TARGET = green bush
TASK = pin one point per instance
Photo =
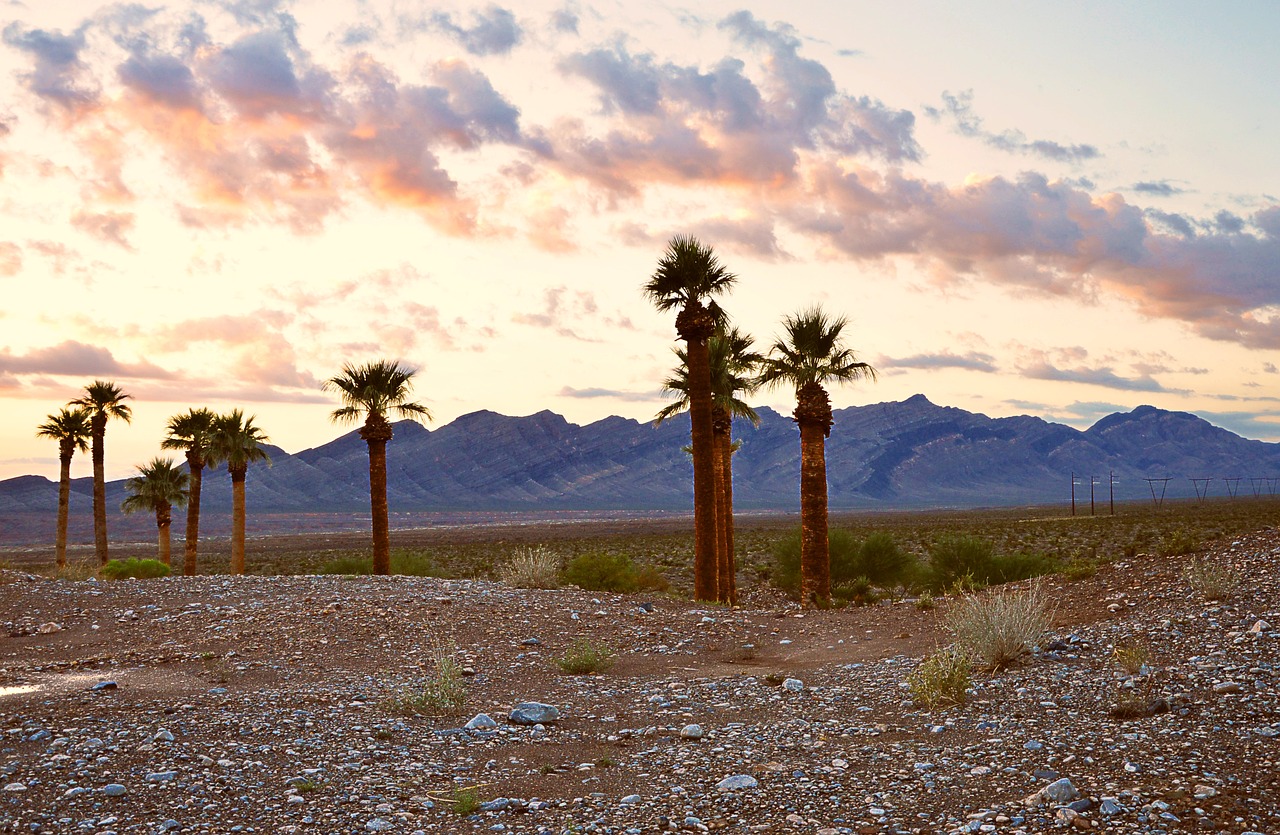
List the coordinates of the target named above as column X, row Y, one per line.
column 135, row 568
column 858, row 591
column 612, row 572
column 408, row 563
column 877, row 560
column 971, row 561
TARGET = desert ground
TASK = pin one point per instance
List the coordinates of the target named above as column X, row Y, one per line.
column 295, row 703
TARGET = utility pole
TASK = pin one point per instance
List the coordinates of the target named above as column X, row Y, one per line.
column 1073, row 493
column 1093, row 479
column 1113, row 492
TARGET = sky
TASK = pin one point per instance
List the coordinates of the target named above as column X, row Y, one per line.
column 1062, row 210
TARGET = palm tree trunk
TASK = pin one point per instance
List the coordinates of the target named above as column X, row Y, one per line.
column 695, row 326
column 815, row 555
column 189, row 557
column 721, row 424
column 64, row 505
column 164, row 519
column 729, row 569
column 813, row 415
column 99, row 430
column 378, row 505
column 237, row 521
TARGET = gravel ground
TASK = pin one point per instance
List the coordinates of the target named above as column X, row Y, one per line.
column 277, row 705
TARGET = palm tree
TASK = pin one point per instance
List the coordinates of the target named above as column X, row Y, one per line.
column 71, row 429
column 236, row 441
column 810, row 354
column 103, row 401
column 689, row 273
column 190, row 433
column 157, row 487
column 371, row 391
column 731, row 361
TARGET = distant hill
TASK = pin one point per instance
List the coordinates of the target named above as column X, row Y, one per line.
column 910, row 454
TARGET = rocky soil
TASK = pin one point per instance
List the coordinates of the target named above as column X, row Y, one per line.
column 281, row 705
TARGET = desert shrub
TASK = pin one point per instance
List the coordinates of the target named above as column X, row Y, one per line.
column 877, row 559
column 1180, row 542
column 443, row 693
column 858, row 591
column 611, row 572
column 585, row 657
column 1131, row 656
column 134, row 568
column 1215, row 581
column 408, row 563
column 973, row 562
column 531, row 568
column 941, row 679
column 465, row 802
column 997, row 629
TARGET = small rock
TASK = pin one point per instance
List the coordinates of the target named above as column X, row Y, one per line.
column 481, row 721
column 533, row 713
column 16, row 787
column 794, row 685
column 114, row 790
column 691, row 732
column 49, row 628
column 736, row 782
column 104, row 685
column 1223, row 688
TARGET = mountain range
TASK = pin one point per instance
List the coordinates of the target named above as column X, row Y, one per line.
column 909, row 454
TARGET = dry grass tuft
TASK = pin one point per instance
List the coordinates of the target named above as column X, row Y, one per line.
column 942, row 679
column 532, row 568
column 997, row 629
column 1215, row 581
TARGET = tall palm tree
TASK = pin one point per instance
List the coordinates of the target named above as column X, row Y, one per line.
column 103, row 400
column 157, row 487
column 71, row 429
column 810, row 354
column 688, row 275
column 731, row 362
column 190, row 433
column 236, row 441
column 371, row 391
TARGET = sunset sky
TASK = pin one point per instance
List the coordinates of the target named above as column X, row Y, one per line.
column 1057, row 209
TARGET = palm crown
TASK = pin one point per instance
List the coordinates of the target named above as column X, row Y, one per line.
column 811, row 351
column 374, row 389
column 190, row 432
column 104, row 399
column 731, row 360
column 236, row 441
column 156, row 486
column 688, row 273
column 69, row 427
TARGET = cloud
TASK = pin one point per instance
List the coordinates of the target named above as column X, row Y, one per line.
column 1101, row 376
column 565, row 20
column 111, row 227
column 613, row 394
column 1270, row 368
column 959, row 108
column 10, row 258
column 753, row 235
column 1262, row 426
column 58, row 76
column 493, row 31
column 971, row 361
column 1157, row 188
column 72, row 358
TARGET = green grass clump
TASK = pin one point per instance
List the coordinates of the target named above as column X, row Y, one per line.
column 466, row 802
column 586, row 657
column 995, row 630
column 443, row 693
column 1179, row 542
column 611, row 572
column 942, row 679
column 134, row 568
column 405, row 562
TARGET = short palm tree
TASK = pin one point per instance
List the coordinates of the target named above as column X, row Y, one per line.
column 370, row 391
column 71, row 429
column 237, row 442
column 731, row 363
column 156, row 488
column 103, row 400
column 190, row 433
column 810, row 354
column 688, row 275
